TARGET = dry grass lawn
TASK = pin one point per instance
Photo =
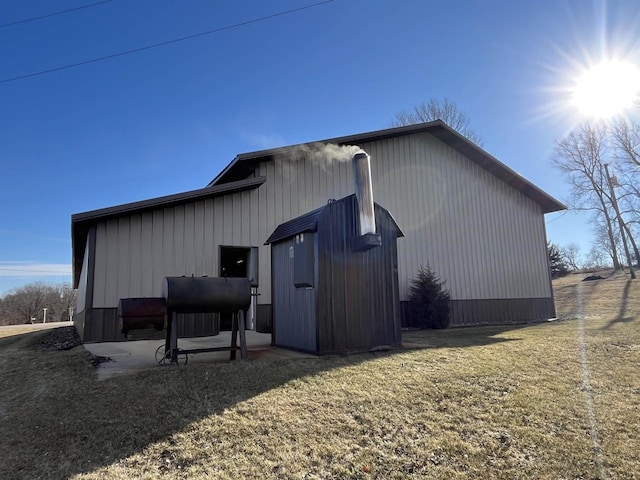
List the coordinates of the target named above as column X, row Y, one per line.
column 559, row 400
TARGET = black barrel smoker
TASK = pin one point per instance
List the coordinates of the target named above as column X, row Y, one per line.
column 205, row 295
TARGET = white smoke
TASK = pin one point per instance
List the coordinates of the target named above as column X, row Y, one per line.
column 322, row 155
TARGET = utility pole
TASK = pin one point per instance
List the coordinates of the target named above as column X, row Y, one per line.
column 614, row 202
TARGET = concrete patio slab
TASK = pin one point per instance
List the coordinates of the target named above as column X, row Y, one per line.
column 130, row 356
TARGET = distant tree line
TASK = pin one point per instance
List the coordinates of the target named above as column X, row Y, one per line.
column 23, row 304
column 564, row 260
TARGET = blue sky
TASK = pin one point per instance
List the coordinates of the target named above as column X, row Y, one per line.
column 168, row 119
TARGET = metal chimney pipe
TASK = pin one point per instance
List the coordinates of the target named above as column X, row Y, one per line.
column 364, row 192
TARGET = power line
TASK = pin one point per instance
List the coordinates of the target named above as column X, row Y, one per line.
column 27, row 271
column 558, row 217
column 54, row 14
column 168, row 42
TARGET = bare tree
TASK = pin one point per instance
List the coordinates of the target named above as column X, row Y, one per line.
column 579, row 156
column 596, row 258
column 571, row 255
column 445, row 110
column 22, row 304
column 632, row 239
column 603, row 243
column 625, row 138
column 68, row 299
column 625, row 186
column 625, row 135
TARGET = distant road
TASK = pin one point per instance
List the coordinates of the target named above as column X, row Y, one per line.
column 8, row 330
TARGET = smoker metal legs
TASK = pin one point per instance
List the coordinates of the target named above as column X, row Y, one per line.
column 238, row 326
column 243, row 335
column 234, row 336
column 171, row 350
column 173, row 337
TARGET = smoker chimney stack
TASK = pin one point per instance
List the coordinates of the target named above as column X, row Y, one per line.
column 368, row 238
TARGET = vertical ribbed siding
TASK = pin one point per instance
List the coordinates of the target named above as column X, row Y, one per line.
column 134, row 253
column 294, row 187
column 103, row 325
column 294, row 320
column 354, row 304
column 358, row 304
column 465, row 313
column 484, row 238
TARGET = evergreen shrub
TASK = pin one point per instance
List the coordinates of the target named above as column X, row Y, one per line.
column 429, row 300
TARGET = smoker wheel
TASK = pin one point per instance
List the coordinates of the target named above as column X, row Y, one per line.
column 163, row 357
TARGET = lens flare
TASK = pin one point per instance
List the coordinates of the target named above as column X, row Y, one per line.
column 607, row 89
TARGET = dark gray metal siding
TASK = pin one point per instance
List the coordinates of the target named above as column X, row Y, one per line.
column 358, row 300
column 78, row 322
column 263, row 319
column 493, row 311
column 84, row 305
column 294, row 308
column 498, row 311
column 103, row 325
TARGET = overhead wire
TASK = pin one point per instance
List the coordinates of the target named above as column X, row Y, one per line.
column 558, row 217
column 28, row 271
column 54, row 13
column 168, row 42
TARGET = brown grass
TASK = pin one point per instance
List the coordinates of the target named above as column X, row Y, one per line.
column 492, row 402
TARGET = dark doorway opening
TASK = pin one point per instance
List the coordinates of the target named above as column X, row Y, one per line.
column 233, row 263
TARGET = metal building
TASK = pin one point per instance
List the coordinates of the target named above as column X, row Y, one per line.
column 473, row 220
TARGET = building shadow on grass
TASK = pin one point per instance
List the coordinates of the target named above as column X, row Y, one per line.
column 459, row 337
column 57, row 420
column 624, row 301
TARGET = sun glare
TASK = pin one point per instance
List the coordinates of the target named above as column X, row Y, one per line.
column 607, row 89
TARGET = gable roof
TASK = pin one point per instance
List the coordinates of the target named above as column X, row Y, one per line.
column 308, row 222
column 243, row 163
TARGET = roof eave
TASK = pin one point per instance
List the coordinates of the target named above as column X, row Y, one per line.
column 346, row 140
column 81, row 222
column 490, row 163
column 438, row 129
